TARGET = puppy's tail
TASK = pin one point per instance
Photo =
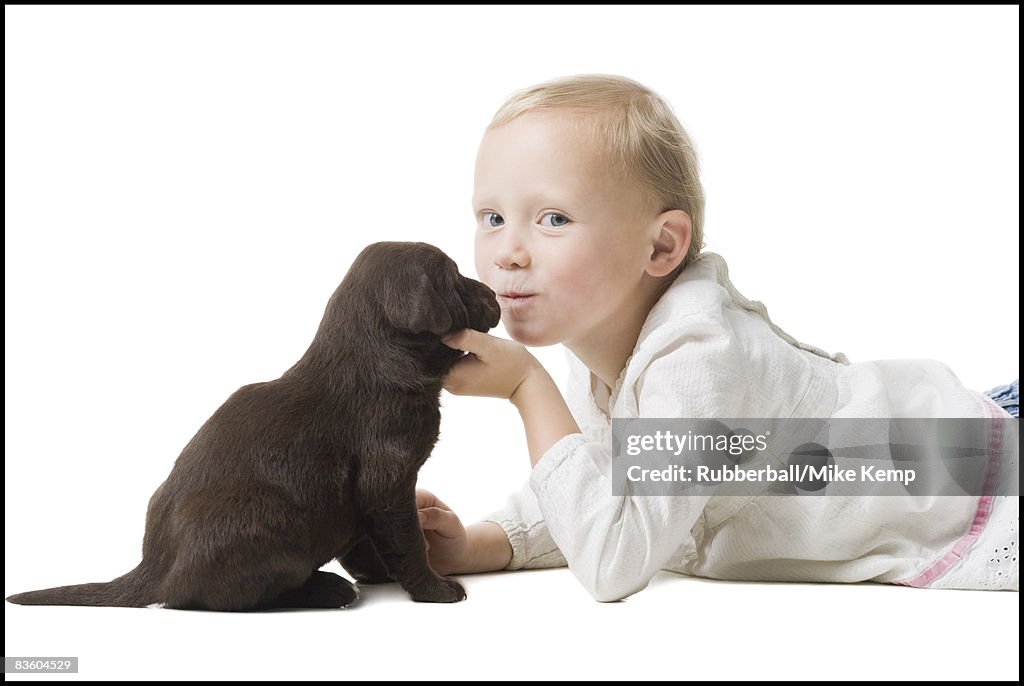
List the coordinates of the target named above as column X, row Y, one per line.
column 135, row 589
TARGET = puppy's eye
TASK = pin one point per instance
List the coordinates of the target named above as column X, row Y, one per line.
column 492, row 220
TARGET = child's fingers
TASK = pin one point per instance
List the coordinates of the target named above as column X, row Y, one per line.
column 455, row 339
column 443, row 522
column 425, row 498
column 461, row 379
column 468, row 340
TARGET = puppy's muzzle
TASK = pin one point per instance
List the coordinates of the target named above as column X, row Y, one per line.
column 481, row 306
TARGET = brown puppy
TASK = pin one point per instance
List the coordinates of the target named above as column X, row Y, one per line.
column 318, row 464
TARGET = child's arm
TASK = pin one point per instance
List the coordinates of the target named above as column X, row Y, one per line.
column 515, row 374
column 613, row 544
column 545, row 415
column 504, row 369
column 454, row 549
column 514, row 537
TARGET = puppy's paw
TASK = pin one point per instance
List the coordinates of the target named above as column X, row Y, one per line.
column 445, row 591
column 340, row 595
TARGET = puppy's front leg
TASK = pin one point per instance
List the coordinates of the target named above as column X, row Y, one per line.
column 398, row 539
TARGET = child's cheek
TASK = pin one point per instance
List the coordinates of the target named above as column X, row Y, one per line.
column 579, row 274
column 482, row 262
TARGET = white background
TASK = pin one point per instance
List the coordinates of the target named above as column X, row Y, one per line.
column 185, row 186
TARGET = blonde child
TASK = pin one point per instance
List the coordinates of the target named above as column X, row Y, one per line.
column 589, row 217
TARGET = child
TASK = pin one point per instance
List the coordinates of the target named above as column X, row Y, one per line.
column 590, row 214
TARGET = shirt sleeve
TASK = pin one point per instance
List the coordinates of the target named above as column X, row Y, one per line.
column 521, row 517
column 527, row 532
column 614, row 545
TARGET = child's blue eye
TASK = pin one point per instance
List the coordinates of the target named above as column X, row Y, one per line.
column 493, row 223
column 557, row 220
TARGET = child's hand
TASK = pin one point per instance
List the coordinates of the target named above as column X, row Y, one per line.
column 496, row 367
column 443, row 531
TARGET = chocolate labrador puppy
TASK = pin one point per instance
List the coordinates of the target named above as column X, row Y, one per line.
column 318, row 464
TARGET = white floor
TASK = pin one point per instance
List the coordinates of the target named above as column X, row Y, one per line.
column 542, row 624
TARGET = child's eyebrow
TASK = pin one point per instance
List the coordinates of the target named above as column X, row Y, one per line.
column 563, row 198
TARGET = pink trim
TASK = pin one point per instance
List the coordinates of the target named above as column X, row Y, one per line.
column 981, row 515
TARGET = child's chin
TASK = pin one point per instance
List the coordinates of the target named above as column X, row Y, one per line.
column 531, row 335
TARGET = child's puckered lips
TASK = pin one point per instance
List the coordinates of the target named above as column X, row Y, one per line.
column 512, row 300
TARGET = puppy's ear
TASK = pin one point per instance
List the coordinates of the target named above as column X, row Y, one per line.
column 419, row 311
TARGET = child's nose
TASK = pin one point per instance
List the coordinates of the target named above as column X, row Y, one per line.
column 511, row 251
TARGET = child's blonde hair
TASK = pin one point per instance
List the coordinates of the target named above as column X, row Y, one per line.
column 640, row 135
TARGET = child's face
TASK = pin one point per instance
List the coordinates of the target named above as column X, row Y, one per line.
column 554, row 225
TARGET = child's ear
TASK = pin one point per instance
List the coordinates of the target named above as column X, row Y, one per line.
column 671, row 231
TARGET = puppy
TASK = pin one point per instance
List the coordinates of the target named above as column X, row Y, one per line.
column 320, row 463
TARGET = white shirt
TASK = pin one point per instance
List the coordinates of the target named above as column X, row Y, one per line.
column 706, row 351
